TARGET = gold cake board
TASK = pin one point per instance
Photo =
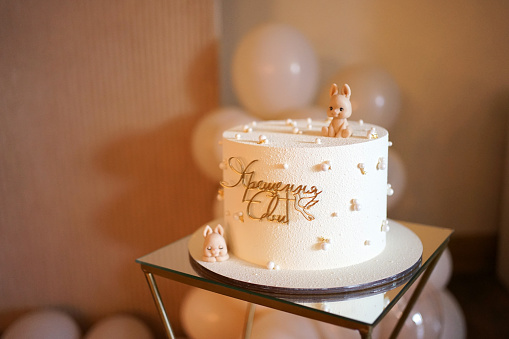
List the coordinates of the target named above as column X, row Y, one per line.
column 401, row 256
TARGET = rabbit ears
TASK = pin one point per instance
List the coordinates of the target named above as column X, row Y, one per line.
column 208, row 230
column 345, row 90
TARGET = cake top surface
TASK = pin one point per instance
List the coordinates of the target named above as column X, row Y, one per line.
column 304, row 133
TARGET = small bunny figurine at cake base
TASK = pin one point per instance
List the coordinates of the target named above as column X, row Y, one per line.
column 340, row 109
column 214, row 246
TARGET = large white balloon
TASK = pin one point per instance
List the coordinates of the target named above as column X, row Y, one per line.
column 282, row 325
column 425, row 320
column 396, row 178
column 375, row 96
column 119, row 326
column 454, row 325
column 274, row 68
column 207, row 315
column 44, row 324
column 206, row 150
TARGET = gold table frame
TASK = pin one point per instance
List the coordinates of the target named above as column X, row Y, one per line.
column 172, row 262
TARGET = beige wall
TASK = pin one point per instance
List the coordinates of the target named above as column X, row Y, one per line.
column 450, row 59
column 97, row 103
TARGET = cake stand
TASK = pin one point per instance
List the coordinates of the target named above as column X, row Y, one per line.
column 172, row 262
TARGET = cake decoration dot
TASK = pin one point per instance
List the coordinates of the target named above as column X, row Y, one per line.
column 309, row 120
column 220, row 194
column 262, row 139
column 334, row 214
column 318, row 141
column 237, row 136
column 390, row 190
column 247, row 129
column 372, row 134
column 310, row 126
column 272, row 266
column 325, row 244
column 285, row 166
column 295, row 130
column 239, row 216
column 390, row 143
column 361, row 167
column 289, row 122
column 385, row 226
column 381, row 165
column 355, row 205
column 361, row 122
column 326, row 166
column 253, row 123
column 367, row 243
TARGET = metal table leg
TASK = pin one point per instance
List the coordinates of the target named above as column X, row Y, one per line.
column 159, row 304
column 248, row 323
column 415, row 295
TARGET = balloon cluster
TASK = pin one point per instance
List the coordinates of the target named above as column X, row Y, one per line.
column 275, row 75
column 51, row 324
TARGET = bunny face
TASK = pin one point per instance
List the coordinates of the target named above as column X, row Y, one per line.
column 214, row 246
column 339, row 104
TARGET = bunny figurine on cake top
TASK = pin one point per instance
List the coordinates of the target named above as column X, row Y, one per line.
column 339, row 110
column 214, row 246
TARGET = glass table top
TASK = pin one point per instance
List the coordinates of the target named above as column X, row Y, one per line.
column 364, row 309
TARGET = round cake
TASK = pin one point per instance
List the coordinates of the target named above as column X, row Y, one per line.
column 297, row 200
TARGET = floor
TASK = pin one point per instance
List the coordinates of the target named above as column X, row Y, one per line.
column 485, row 304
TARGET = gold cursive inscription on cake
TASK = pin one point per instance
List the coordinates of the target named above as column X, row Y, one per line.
column 275, row 197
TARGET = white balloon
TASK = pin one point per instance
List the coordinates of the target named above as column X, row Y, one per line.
column 425, row 320
column 442, row 273
column 282, row 325
column 119, row 326
column 375, row 96
column 206, row 150
column 274, row 68
column 396, row 178
column 454, row 325
column 207, row 315
column 44, row 324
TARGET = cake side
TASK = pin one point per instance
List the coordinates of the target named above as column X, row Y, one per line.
column 296, row 200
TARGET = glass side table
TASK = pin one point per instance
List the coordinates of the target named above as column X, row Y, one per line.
column 172, row 262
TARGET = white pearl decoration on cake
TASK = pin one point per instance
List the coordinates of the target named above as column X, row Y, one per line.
column 295, row 130
column 318, row 141
column 285, row 166
column 390, row 190
column 237, row 136
column 361, row 167
column 385, row 226
column 381, row 165
column 355, row 205
column 326, row 166
column 247, row 129
column 272, row 266
column 262, row 139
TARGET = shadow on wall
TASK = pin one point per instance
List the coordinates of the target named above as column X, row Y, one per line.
column 165, row 196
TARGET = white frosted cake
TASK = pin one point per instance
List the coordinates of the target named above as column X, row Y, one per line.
column 297, row 200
